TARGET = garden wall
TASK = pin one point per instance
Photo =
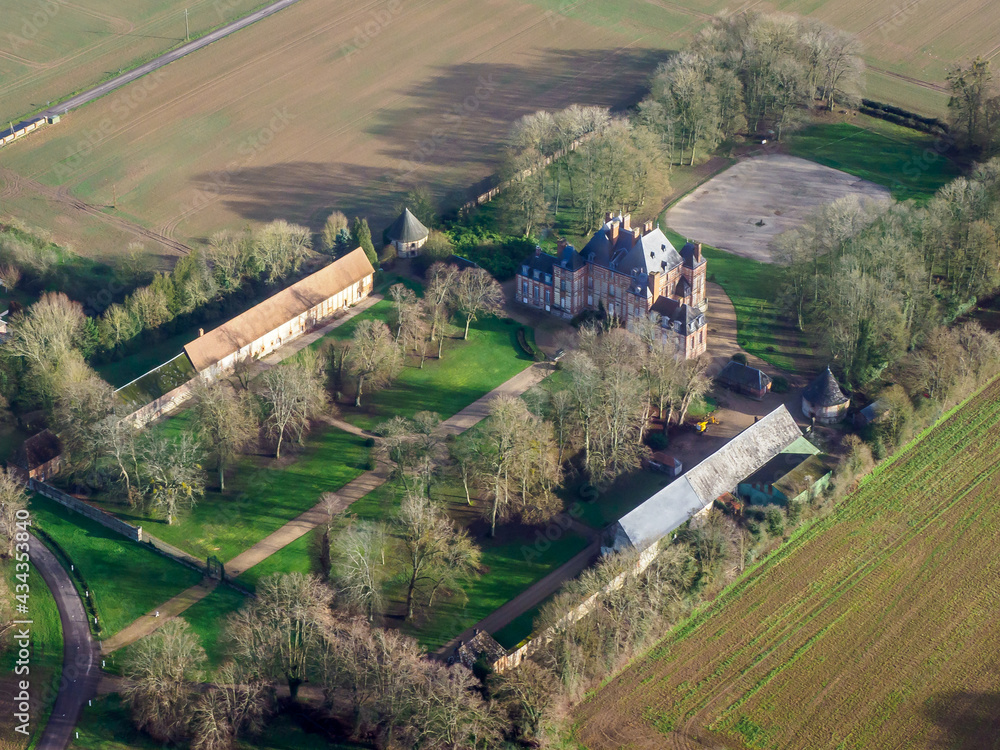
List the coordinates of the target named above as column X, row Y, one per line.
column 95, row 514
column 515, row 657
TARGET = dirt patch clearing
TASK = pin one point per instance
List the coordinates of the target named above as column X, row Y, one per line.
column 745, row 207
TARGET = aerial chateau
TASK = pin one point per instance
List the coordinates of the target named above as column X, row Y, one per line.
column 626, row 271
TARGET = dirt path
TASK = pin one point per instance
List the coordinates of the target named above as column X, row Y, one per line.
column 531, row 597
column 16, row 184
column 480, row 409
column 156, row 617
column 335, row 502
column 80, row 673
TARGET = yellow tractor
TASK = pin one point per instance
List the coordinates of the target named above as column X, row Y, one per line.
column 702, row 426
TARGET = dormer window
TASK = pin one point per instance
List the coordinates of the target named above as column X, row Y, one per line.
column 524, row 270
column 537, row 274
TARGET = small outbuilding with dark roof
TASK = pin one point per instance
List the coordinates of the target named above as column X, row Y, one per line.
column 39, row 457
column 407, row 234
column 741, row 378
column 823, row 399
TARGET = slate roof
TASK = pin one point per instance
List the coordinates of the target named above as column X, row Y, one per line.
column 695, row 490
column 649, row 253
column 682, row 317
column 739, row 374
column 744, row 454
column 279, row 308
column 37, row 450
column 407, row 228
column 689, row 254
column 824, row 390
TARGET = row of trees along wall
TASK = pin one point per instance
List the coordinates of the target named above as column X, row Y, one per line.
column 515, row 657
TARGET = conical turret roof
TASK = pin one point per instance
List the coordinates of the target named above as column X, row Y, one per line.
column 825, row 390
column 407, row 228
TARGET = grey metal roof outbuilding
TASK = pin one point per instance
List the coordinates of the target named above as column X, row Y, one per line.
column 407, row 228
column 825, row 390
column 697, row 489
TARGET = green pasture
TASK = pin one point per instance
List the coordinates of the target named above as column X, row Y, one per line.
column 126, row 579
column 913, row 165
column 468, row 370
column 261, row 496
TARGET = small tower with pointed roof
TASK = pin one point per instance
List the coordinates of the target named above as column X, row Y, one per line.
column 824, row 400
column 407, row 234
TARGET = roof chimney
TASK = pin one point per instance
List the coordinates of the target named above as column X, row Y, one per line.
column 561, row 244
column 608, row 217
column 201, row 332
column 647, row 227
column 614, row 231
column 627, row 221
column 636, row 232
column 697, row 248
column 538, row 251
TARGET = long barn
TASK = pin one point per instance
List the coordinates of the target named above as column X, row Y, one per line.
column 284, row 316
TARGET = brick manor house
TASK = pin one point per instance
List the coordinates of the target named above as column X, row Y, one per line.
column 629, row 271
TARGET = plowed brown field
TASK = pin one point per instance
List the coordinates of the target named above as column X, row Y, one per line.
column 338, row 104
column 876, row 628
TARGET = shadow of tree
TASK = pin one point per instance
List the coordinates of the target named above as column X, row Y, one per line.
column 971, row 721
column 445, row 133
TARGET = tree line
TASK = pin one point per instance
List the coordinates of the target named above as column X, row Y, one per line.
column 876, row 278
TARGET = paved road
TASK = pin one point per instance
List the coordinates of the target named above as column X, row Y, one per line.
column 125, row 78
column 80, row 671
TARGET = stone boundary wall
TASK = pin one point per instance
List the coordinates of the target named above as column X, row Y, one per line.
column 165, row 404
column 493, row 192
column 515, row 657
column 94, row 514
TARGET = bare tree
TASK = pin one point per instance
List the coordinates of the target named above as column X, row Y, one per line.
column 81, row 407
column 281, row 630
column 173, row 474
column 693, row 383
column 476, row 293
column 527, row 695
column 293, row 394
column 281, row 247
column 10, row 276
column 13, row 502
column 47, row 331
column 434, row 552
column 438, row 293
column 373, row 357
column 227, row 422
column 236, row 703
column 404, row 306
column 159, row 669
column 358, row 567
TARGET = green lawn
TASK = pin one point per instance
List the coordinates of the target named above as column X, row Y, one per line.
column 904, row 160
column 598, row 508
column 298, row 557
column 511, row 567
column 261, row 497
column 106, row 725
column 468, row 370
column 46, row 645
column 127, row 579
column 763, row 327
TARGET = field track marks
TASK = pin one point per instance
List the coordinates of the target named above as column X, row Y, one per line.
column 686, row 737
column 195, row 92
column 17, row 183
